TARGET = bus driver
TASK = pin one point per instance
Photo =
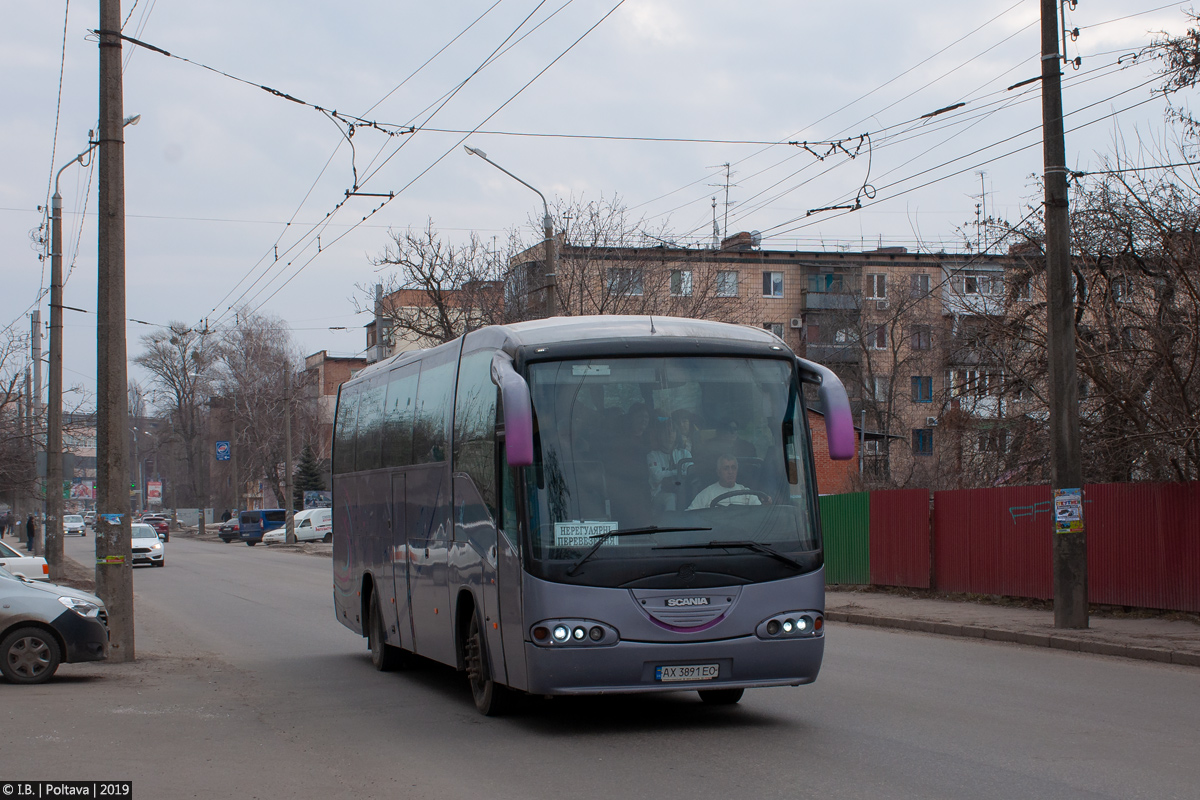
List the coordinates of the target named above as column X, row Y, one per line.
column 727, row 469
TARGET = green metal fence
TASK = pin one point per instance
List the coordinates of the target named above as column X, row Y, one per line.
column 845, row 520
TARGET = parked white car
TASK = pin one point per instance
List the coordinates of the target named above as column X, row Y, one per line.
column 24, row 565
column 147, row 545
column 73, row 524
column 311, row 525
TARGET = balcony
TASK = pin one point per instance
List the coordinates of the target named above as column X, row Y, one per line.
column 847, row 353
column 830, row 301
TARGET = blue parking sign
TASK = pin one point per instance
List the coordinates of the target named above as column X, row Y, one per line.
column 222, row 451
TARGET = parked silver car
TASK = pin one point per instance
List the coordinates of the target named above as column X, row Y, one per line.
column 43, row 625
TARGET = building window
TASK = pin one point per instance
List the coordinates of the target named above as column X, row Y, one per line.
column 922, row 337
column 624, row 281
column 920, row 284
column 877, row 287
column 681, row 283
column 1025, row 289
column 922, row 388
column 993, row 441
column 825, row 283
column 772, row 284
column 877, row 338
column 880, row 384
column 727, row 283
column 1122, row 290
column 871, row 447
column 922, row 441
column 774, row 327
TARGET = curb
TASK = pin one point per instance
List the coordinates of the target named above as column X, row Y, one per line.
column 1052, row 640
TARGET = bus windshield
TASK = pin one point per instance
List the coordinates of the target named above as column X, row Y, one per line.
column 715, row 449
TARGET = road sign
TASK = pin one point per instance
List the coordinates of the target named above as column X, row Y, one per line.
column 223, row 451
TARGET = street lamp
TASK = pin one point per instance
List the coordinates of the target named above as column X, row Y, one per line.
column 551, row 286
column 54, row 449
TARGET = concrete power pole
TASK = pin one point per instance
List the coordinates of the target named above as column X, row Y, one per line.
column 114, row 569
column 1066, row 467
column 288, row 502
column 35, row 420
column 54, row 445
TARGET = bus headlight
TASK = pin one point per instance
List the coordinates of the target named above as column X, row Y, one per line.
column 791, row 625
column 573, row 633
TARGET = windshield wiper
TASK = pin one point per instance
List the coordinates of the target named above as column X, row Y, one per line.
column 601, row 538
column 757, row 547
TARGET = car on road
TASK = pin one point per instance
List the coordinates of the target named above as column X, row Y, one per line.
column 29, row 566
column 159, row 523
column 43, row 625
column 147, row 545
column 74, row 524
column 89, row 519
column 253, row 524
column 229, row 530
column 309, row 525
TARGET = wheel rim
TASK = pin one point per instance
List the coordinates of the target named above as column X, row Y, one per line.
column 473, row 656
column 29, row 657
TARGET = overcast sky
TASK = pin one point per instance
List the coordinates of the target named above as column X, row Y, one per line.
column 217, row 167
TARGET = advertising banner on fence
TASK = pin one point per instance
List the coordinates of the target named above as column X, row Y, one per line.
column 154, row 493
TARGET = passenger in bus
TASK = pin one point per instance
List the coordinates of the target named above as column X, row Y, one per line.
column 685, row 426
column 726, row 440
column 727, row 470
column 663, row 466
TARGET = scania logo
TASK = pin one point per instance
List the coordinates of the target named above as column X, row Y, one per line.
column 687, row 601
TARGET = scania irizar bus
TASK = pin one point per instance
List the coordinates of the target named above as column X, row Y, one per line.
column 587, row 505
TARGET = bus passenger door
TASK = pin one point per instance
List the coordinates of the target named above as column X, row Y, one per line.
column 474, row 565
column 400, row 556
column 427, row 497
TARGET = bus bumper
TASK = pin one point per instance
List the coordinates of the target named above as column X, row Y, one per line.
column 629, row 667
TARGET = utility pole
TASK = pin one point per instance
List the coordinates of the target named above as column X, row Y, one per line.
column 114, row 569
column 35, row 420
column 54, row 476
column 1066, row 467
column 237, row 487
column 31, row 437
column 288, row 502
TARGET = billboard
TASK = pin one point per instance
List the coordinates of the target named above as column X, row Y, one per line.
column 154, row 493
column 318, row 499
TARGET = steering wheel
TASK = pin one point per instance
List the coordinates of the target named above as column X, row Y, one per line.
column 763, row 498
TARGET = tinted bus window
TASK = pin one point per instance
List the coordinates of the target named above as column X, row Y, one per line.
column 370, row 424
column 435, row 403
column 398, row 416
column 475, row 425
column 344, row 429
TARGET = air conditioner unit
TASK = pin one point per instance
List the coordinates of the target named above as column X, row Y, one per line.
column 881, row 305
column 931, row 422
column 796, row 322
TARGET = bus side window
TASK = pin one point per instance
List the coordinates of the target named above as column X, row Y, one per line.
column 347, row 422
column 370, row 424
column 398, row 416
column 508, row 507
column 435, row 404
column 475, row 425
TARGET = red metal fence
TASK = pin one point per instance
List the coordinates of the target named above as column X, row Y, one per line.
column 1143, row 542
column 899, row 538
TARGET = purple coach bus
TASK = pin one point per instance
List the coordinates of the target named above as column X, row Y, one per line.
column 587, row 505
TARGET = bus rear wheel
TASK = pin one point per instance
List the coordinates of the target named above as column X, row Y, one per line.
column 491, row 699
column 384, row 657
column 721, row 697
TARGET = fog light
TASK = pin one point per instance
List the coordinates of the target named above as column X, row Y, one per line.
column 806, row 623
column 597, row 633
column 773, row 627
column 787, row 626
column 561, row 633
column 541, row 632
column 580, row 633
column 802, row 624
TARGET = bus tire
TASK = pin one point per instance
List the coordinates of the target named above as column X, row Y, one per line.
column 491, row 699
column 721, row 697
column 384, row 657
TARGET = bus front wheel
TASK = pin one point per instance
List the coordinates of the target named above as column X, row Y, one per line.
column 491, row 699
column 721, row 697
column 384, row 656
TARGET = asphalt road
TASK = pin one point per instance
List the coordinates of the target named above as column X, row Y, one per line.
column 246, row 686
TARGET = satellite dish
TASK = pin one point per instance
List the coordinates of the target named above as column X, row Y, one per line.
column 755, row 238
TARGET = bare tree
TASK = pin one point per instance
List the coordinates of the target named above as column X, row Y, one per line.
column 181, row 364
column 17, row 444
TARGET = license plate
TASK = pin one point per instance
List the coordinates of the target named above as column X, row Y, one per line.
column 691, row 672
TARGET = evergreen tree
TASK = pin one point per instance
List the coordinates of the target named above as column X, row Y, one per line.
column 308, row 477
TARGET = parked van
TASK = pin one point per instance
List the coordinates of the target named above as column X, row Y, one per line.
column 310, row 525
column 253, row 524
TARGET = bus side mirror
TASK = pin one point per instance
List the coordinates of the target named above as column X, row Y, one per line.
column 518, row 411
column 835, row 405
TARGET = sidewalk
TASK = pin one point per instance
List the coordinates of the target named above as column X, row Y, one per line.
column 1171, row 639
